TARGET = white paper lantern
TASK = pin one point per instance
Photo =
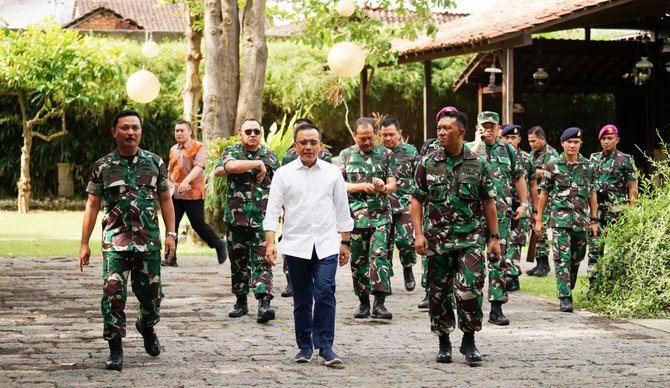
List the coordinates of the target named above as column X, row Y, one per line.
column 143, row 86
column 150, row 49
column 345, row 8
column 346, row 59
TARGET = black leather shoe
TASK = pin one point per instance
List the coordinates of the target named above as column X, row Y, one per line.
column 378, row 309
column 566, row 304
column 240, row 308
column 444, row 354
column 410, row 283
column 173, row 263
column 151, row 344
column 115, row 359
column 496, row 315
column 363, row 308
column 265, row 312
column 424, row 304
column 469, row 349
column 222, row 252
column 288, row 291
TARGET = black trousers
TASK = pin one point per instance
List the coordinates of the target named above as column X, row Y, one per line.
column 195, row 211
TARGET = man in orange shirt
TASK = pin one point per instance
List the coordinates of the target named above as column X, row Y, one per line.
column 187, row 162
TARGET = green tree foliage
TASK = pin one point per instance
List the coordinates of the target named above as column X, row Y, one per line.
column 633, row 278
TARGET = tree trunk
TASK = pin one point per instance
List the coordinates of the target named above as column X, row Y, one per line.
column 193, row 87
column 221, row 83
column 24, row 181
column 254, row 60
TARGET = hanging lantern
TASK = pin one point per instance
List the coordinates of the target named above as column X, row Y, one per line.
column 345, row 8
column 540, row 77
column 143, row 86
column 346, row 59
column 642, row 71
column 150, row 49
column 493, row 70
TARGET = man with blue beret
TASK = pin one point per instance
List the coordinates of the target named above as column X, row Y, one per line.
column 569, row 188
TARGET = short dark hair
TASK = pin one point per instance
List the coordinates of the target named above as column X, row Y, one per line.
column 387, row 122
column 125, row 113
column 364, row 121
column 251, row 119
column 306, row 127
column 184, row 122
column 460, row 117
column 300, row 121
column 537, row 131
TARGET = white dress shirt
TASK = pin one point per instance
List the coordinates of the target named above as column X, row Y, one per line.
column 315, row 206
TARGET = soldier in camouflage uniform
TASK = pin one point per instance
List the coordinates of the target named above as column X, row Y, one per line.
column 249, row 167
column 541, row 154
column 452, row 193
column 405, row 158
column 616, row 184
column 569, row 187
column 289, row 156
column 130, row 180
column 506, row 173
column 512, row 134
column 366, row 168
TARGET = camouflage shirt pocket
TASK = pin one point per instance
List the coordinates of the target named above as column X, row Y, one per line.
column 438, row 193
column 115, row 192
column 563, row 185
column 468, row 186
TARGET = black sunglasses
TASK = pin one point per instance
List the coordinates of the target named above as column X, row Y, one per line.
column 256, row 132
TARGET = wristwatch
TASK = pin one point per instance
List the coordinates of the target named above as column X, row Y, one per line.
column 346, row 242
column 173, row 234
column 495, row 236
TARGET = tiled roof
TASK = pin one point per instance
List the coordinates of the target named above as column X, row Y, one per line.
column 392, row 17
column 149, row 14
column 74, row 23
column 505, row 18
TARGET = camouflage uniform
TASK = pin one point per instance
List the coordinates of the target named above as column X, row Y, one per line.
column 245, row 209
column 540, row 159
column 612, row 174
column 569, row 186
column 505, row 170
column 370, row 269
column 131, row 241
column 405, row 158
column 521, row 228
column 452, row 190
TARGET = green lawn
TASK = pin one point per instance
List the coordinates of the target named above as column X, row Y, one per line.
column 546, row 287
column 57, row 233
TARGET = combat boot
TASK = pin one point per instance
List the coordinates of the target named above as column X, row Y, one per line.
column 364, row 308
column 468, row 348
column 151, row 344
column 288, row 291
column 115, row 359
column 410, row 283
column 444, row 354
column 265, row 312
column 542, row 266
column 496, row 315
column 222, row 252
column 531, row 272
column 566, row 304
column 512, row 283
column 424, row 304
column 378, row 308
column 240, row 308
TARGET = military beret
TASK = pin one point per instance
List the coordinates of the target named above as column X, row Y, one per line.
column 608, row 129
column 511, row 129
column 488, row 117
column 571, row 133
column 444, row 110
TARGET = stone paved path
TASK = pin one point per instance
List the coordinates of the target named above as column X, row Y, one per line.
column 50, row 335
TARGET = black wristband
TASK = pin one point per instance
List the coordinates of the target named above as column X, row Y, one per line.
column 346, row 242
column 495, row 235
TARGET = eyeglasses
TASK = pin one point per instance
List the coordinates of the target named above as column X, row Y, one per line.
column 305, row 143
column 256, row 132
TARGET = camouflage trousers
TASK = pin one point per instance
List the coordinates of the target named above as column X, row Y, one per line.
column 455, row 269
column 424, row 272
column 542, row 242
column 596, row 245
column 499, row 267
column 519, row 238
column 401, row 233
column 370, row 269
column 569, row 251
column 246, row 249
column 145, row 271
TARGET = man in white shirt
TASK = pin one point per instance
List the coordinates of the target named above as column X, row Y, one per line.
column 314, row 198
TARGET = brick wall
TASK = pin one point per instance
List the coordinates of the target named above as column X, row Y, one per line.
column 106, row 21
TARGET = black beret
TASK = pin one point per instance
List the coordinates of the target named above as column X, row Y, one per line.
column 571, row 133
column 511, row 129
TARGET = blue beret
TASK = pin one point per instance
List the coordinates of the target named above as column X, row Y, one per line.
column 571, row 133
column 511, row 129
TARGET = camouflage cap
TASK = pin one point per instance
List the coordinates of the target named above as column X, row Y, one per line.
column 571, row 133
column 488, row 117
column 511, row 129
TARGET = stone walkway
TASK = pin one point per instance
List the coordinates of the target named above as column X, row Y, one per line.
column 50, row 335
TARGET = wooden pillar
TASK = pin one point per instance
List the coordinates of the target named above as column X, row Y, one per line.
column 362, row 95
column 480, row 98
column 428, row 120
column 507, row 86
